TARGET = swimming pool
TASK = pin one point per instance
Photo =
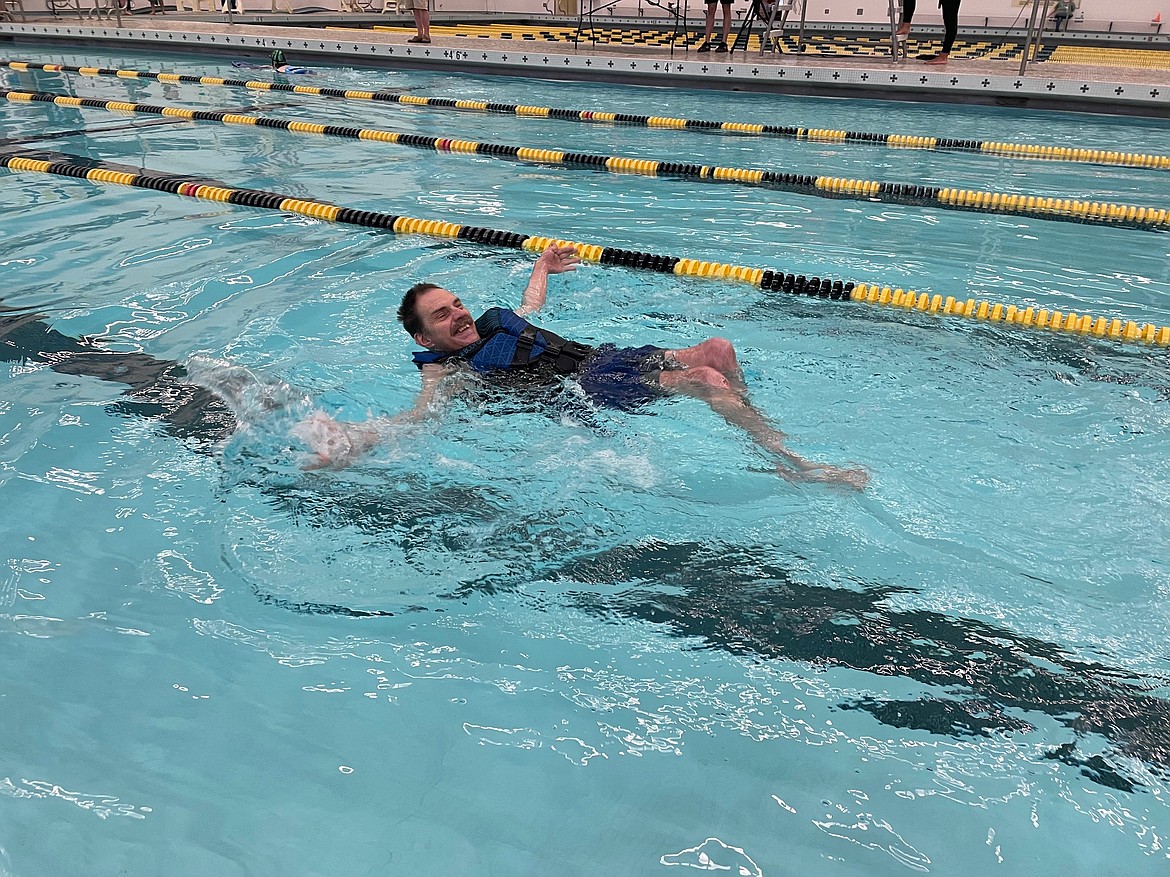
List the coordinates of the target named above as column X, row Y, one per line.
column 621, row 646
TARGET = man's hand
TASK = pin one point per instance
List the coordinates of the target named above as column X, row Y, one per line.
column 557, row 259
column 334, row 444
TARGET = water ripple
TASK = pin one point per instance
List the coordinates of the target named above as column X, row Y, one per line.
column 102, row 806
column 714, row 855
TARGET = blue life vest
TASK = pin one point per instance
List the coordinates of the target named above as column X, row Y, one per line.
column 508, row 341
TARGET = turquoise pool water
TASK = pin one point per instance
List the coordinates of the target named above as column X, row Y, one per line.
column 621, row 648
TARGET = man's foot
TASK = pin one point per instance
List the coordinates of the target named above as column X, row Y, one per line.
column 855, row 478
column 939, row 60
column 706, row 47
column 721, row 48
column 419, row 40
column 903, row 31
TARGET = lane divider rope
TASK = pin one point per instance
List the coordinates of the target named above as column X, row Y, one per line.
column 817, row 135
column 1037, row 206
column 62, row 164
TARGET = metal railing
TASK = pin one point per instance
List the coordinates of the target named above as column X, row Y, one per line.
column 1035, row 31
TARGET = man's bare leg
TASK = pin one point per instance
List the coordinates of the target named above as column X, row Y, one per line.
column 713, row 387
column 422, row 23
column 716, row 353
column 710, row 24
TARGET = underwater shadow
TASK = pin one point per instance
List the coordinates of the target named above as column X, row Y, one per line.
column 735, row 599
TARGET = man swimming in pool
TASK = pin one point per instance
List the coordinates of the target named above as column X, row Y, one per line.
column 502, row 345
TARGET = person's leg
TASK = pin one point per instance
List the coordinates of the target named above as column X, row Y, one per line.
column 950, row 12
column 714, row 388
column 908, row 7
column 726, row 21
column 716, row 353
column 710, row 27
column 420, row 9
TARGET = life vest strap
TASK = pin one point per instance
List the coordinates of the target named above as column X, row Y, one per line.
column 524, row 344
column 570, row 355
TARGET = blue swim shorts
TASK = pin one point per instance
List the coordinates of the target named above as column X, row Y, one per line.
column 623, row 377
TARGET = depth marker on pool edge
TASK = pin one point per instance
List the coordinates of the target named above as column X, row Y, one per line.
column 63, row 164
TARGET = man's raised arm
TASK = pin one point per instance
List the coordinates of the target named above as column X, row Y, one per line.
column 554, row 260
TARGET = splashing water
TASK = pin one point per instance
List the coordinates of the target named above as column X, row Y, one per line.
column 271, row 416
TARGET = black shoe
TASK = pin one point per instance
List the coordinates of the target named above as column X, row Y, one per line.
column 706, row 47
column 721, row 49
column 927, row 56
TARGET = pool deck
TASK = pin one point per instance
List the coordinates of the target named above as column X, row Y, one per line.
column 1129, row 75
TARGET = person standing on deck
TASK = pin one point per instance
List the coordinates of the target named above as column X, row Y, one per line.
column 950, row 13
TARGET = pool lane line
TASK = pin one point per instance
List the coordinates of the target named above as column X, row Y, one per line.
column 769, row 280
column 129, row 126
column 1035, row 206
column 991, row 148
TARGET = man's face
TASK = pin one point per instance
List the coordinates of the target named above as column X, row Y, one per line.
column 446, row 324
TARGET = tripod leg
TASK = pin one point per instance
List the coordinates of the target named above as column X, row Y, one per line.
column 745, row 30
